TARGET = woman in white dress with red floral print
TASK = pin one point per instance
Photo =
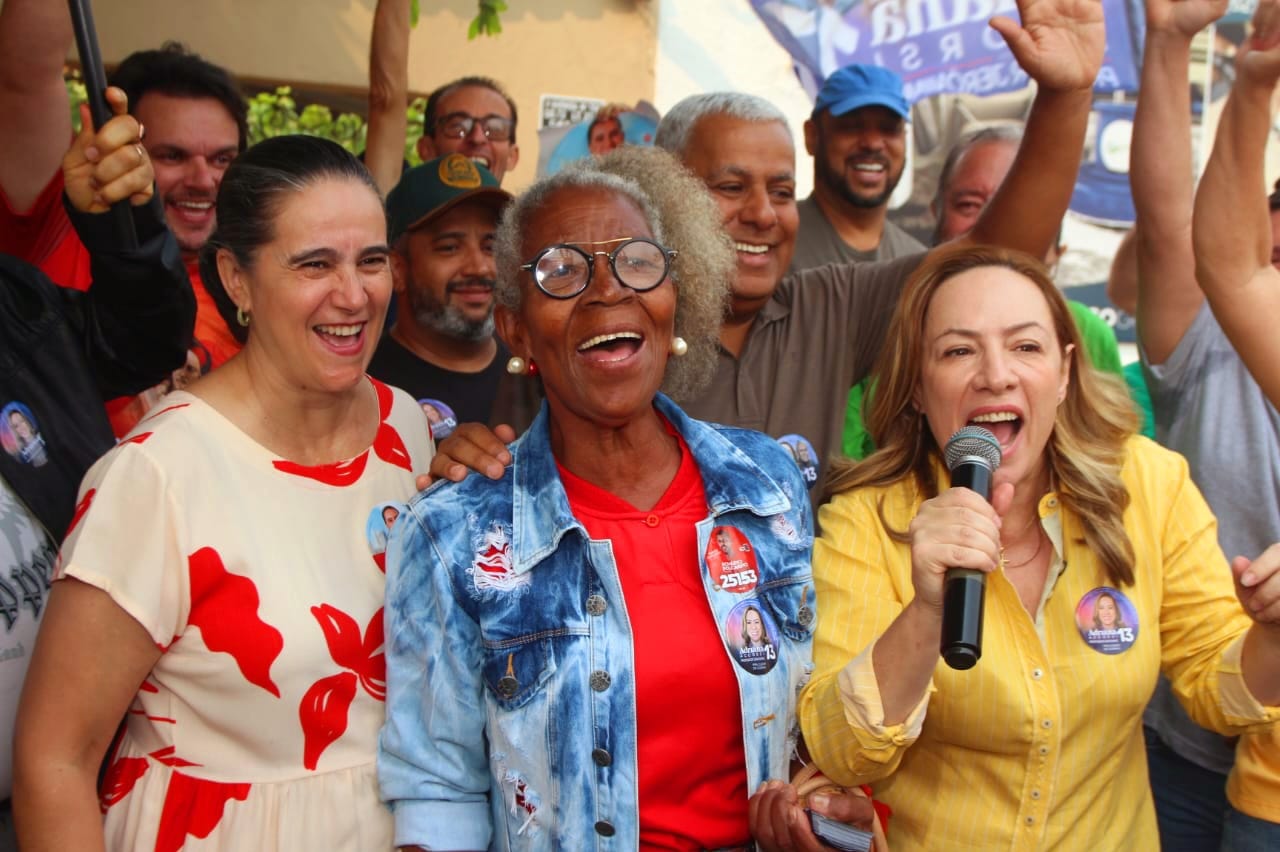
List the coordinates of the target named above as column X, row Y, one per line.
column 219, row 587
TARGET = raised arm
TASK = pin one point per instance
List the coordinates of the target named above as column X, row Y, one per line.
column 1060, row 46
column 137, row 316
column 1232, row 230
column 388, row 92
column 35, row 36
column 1160, row 175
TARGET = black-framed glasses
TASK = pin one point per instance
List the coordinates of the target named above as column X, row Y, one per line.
column 563, row 271
column 458, row 125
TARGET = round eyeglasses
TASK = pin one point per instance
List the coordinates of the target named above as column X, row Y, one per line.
column 563, row 271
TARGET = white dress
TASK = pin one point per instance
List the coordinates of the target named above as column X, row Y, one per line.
column 261, row 581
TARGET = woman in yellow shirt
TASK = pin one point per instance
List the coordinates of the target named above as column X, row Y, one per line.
column 1039, row 746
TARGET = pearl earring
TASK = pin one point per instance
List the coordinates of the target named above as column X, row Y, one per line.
column 678, row 346
column 516, row 365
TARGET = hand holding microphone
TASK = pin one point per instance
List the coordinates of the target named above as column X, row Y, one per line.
column 955, row 540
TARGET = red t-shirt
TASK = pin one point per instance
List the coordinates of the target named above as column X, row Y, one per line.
column 692, row 765
column 43, row 236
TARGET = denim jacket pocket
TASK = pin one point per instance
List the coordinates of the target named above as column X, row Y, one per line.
column 791, row 602
column 516, row 669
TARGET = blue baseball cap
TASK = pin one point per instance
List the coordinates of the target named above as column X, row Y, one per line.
column 857, row 86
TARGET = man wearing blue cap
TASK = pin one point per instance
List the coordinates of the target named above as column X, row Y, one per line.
column 857, row 137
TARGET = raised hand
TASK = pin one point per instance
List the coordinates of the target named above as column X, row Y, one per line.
column 1258, row 60
column 1060, row 42
column 1186, row 17
column 110, row 165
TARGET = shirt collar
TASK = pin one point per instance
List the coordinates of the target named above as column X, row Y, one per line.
column 540, row 509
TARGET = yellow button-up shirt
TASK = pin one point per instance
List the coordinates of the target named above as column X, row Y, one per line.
column 1039, row 746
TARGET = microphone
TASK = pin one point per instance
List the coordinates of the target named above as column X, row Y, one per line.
column 972, row 455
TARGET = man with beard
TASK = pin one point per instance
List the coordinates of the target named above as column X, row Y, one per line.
column 792, row 346
column 441, row 348
column 857, row 136
column 195, row 123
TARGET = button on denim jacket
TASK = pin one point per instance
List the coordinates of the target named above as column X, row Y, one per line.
column 510, row 694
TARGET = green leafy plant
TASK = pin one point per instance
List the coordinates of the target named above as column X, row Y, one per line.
column 276, row 113
column 76, row 94
column 486, row 21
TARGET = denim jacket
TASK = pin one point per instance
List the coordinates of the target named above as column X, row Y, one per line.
column 510, row 694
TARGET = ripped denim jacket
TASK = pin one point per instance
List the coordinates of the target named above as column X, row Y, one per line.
column 509, row 648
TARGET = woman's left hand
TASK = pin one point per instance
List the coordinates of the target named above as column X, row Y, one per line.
column 1258, row 586
column 1060, row 42
column 779, row 823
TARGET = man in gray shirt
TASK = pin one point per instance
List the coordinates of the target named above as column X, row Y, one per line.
column 791, row 346
column 857, row 137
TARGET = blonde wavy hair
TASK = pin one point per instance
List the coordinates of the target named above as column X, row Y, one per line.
column 682, row 216
column 1086, row 447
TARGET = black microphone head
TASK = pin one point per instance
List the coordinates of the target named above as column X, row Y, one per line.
column 973, row 444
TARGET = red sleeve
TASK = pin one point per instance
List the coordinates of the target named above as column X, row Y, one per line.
column 43, row 237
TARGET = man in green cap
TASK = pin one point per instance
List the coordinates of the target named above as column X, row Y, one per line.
column 441, row 349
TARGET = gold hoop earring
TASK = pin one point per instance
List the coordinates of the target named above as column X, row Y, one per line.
column 242, row 317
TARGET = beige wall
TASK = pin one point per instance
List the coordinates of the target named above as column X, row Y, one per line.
column 586, row 48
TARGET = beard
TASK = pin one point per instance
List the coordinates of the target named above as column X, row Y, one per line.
column 446, row 319
column 835, row 180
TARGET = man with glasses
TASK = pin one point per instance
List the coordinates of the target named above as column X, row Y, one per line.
column 474, row 117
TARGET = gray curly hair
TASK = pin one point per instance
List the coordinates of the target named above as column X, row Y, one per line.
column 681, row 215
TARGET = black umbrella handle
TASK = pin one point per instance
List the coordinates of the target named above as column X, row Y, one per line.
column 95, row 84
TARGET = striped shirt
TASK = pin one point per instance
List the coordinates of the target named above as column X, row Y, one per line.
column 1038, row 747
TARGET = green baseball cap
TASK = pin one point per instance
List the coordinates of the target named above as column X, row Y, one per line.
column 428, row 190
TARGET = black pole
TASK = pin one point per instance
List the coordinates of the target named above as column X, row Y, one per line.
column 95, row 84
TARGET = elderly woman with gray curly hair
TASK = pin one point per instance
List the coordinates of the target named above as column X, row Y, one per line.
column 564, row 645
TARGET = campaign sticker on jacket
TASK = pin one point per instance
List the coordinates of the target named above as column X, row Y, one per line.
column 20, row 435
column 1107, row 620
column 731, row 560
column 752, row 637
column 805, row 456
column 440, row 418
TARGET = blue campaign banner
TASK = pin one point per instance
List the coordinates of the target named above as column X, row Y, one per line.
column 938, row 46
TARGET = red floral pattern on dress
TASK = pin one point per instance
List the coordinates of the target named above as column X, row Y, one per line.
column 323, row 713
column 81, row 508
column 225, row 608
column 121, row 776
column 193, row 806
column 387, row 445
column 167, row 408
column 339, row 474
column 324, row 708
column 168, row 757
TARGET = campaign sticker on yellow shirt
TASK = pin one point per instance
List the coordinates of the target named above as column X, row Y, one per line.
column 1107, row 620
column 731, row 561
